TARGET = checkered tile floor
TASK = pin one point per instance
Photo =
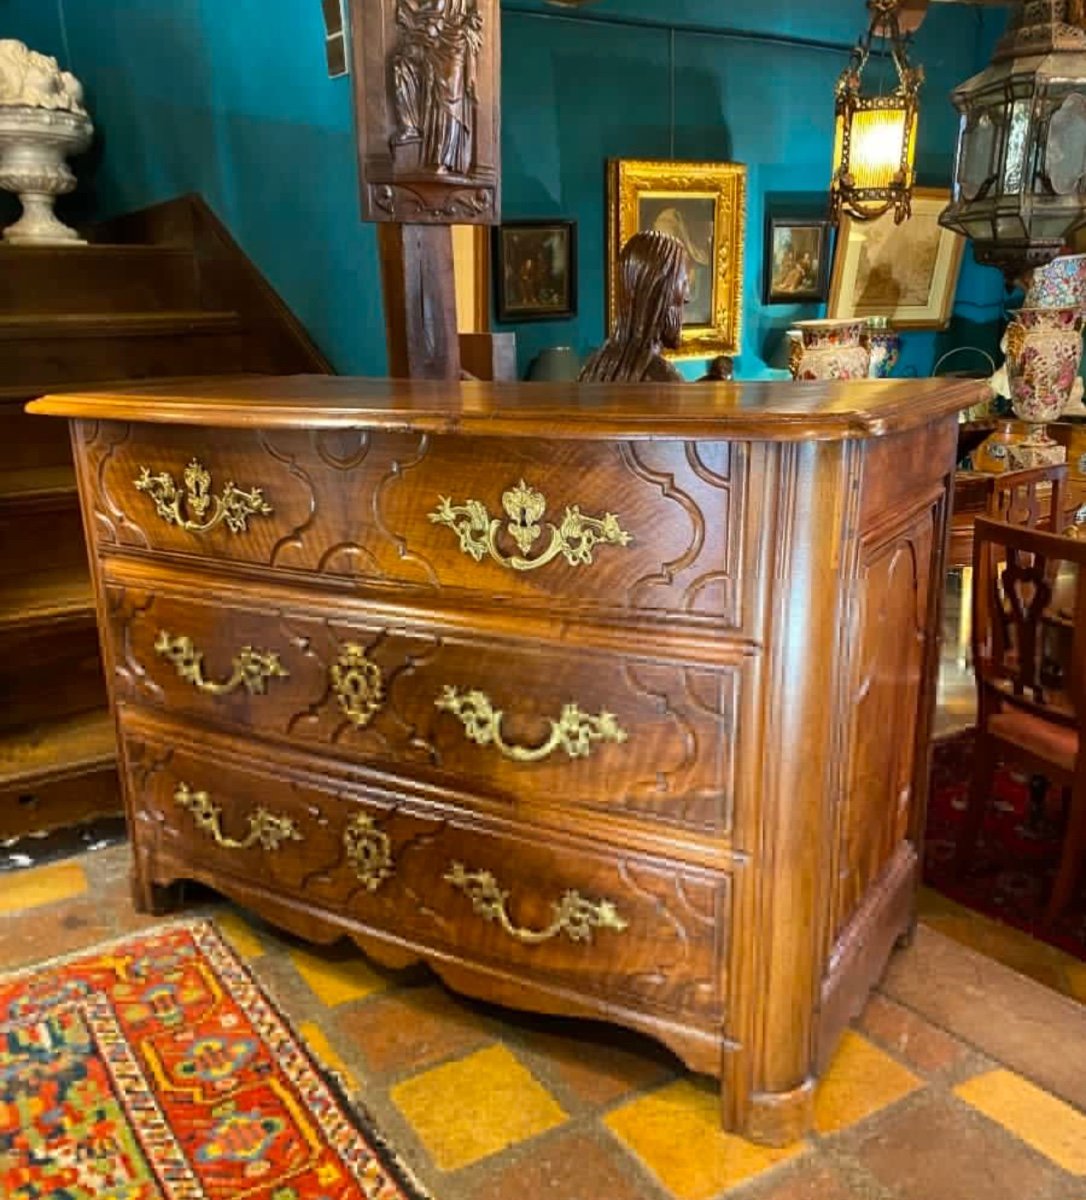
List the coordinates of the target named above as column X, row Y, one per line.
column 962, row 1080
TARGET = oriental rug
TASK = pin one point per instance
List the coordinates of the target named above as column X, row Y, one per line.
column 1016, row 856
column 155, row 1068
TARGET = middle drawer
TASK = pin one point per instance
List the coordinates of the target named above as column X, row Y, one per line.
column 497, row 718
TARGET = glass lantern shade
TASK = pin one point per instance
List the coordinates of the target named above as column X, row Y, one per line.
column 1020, row 172
column 875, row 137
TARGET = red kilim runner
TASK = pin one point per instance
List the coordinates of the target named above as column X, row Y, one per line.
column 156, row 1069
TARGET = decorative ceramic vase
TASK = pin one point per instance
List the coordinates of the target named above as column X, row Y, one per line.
column 1059, row 284
column 42, row 123
column 831, row 350
column 885, row 347
column 1044, row 350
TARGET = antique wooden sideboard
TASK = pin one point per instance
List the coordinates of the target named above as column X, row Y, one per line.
column 605, row 701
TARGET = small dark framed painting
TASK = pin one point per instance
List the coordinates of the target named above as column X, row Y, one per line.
column 535, row 270
column 797, row 260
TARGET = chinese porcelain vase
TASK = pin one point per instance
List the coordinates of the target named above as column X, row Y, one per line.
column 42, row 123
column 1059, row 284
column 1044, row 351
column 831, row 350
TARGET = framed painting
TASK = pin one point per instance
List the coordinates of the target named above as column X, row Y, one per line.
column 797, row 260
column 907, row 273
column 704, row 205
column 535, row 270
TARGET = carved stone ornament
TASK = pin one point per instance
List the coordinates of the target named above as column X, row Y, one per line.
column 426, row 108
column 42, row 122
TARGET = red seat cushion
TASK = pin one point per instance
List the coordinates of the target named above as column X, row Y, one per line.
column 1056, row 744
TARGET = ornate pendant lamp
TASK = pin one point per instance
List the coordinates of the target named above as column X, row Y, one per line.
column 875, row 143
column 1020, row 174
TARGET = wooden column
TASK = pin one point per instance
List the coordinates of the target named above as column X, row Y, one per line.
column 426, row 94
column 420, row 301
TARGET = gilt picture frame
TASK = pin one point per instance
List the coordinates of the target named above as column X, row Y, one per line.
column 907, row 273
column 535, row 270
column 796, row 266
column 704, row 205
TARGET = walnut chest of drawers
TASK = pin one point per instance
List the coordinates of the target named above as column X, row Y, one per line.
column 603, row 701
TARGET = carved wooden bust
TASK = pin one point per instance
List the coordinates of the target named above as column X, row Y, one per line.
column 653, row 280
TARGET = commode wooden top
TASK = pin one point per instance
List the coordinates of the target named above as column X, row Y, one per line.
column 763, row 411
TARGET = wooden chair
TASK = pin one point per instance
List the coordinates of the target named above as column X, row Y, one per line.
column 1036, row 498
column 1029, row 655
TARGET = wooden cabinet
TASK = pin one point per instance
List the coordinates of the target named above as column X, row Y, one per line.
column 605, row 701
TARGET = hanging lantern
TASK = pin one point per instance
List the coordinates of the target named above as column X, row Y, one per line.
column 875, row 143
column 1020, row 172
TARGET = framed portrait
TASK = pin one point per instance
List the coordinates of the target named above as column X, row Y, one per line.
column 797, row 260
column 535, row 270
column 704, row 205
column 908, row 272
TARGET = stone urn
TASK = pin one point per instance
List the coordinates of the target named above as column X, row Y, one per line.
column 42, row 123
column 831, row 349
column 884, row 344
column 1044, row 351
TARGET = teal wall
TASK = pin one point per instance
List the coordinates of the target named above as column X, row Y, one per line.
column 607, row 82
column 233, row 100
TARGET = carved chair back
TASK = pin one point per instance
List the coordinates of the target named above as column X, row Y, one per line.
column 1035, row 498
column 1029, row 622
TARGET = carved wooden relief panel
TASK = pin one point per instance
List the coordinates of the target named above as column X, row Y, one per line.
column 888, row 642
column 639, row 930
column 505, row 720
column 650, row 526
column 426, row 80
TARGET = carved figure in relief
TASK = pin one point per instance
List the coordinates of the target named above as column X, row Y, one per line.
column 653, row 278
column 433, row 77
column 36, row 80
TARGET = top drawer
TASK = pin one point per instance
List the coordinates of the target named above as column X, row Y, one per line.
column 646, row 526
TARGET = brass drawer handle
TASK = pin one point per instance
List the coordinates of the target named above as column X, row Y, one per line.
column 234, row 507
column 265, row 828
column 252, row 668
column 574, row 916
column 574, row 539
column 574, row 731
column 369, row 851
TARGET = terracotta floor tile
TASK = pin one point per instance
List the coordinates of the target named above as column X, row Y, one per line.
column 911, row 1037
column 51, row 932
column 937, row 1150
column 1013, row 1020
column 676, row 1134
column 242, row 937
column 1048, row 1125
column 601, row 1069
column 475, row 1107
column 413, row 1028
column 809, row 1180
column 337, row 975
column 861, row 1080
column 571, row 1166
column 20, row 890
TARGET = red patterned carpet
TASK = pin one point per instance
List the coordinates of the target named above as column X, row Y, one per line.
column 156, row 1069
column 1015, row 862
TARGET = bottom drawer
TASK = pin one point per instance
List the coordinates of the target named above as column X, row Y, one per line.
column 639, row 930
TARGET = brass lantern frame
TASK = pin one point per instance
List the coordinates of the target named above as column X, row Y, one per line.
column 847, row 194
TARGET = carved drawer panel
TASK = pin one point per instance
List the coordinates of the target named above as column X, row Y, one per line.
column 505, row 720
column 639, row 930
column 650, row 526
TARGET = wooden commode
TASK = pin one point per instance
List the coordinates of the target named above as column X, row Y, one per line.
column 606, row 701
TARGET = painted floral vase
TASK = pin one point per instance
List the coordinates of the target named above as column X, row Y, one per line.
column 1044, row 351
column 1058, row 284
column 831, row 350
column 884, row 345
